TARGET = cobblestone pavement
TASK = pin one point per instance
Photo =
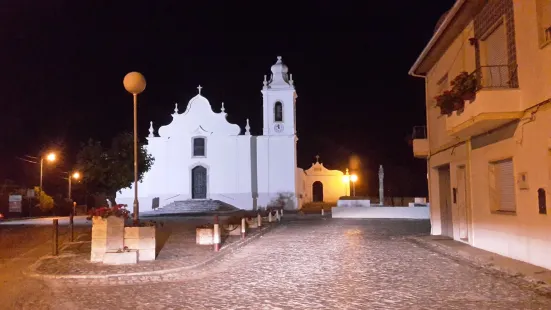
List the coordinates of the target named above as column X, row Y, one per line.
column 320, row 264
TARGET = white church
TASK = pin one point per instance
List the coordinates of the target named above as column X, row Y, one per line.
column 201, row 156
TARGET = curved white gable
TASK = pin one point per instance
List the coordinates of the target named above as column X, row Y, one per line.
column 318, row 168
column 199, row 117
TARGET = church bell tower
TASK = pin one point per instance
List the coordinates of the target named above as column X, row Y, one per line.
column 279, row 102
column 276, row 148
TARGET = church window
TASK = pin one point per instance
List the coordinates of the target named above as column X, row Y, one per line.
column 278, row 112
column 198, row 146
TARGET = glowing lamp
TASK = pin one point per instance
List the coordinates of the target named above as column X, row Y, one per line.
column 134, row 83
column 353, row 178
column 51, row 157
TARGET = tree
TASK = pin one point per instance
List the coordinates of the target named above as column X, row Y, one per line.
column 108, row 170
column 46, row 203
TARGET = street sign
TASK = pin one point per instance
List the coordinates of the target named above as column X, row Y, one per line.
column 15, row 203
column 30, row 193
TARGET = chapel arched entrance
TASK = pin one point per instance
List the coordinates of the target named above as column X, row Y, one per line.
column 199, row 182
column 317, row 191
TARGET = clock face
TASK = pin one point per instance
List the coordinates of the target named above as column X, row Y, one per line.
column 278, row 127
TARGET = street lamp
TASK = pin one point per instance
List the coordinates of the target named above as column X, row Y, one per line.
column 51, row 157
column 76, row 176
column 353, row 179
column 134, row 83
column 346, row 181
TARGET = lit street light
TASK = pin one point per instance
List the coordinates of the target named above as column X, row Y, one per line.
column 346, row 181
column 134, row 83
column 76, row 176
column 51, row 157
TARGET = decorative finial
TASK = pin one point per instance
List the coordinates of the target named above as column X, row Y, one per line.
column 176, row 108
column 291, row 80
column 247, row 128
column 279, row 58
column 265, row 81
column 223, row 109
column 151, row 135
column 347, row 173
column 317, row 159
column 199, row 88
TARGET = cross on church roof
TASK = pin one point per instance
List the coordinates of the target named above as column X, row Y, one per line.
column 317, row 158
column 199, row 88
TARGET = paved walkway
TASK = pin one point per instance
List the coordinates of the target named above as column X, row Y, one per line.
column 177, row 250
column 320, row 264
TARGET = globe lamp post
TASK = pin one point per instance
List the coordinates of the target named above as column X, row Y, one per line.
column 134, row 83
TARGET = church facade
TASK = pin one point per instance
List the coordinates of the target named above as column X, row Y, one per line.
column 201, row 156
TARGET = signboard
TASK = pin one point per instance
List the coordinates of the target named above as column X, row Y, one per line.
column 15, row 203
column 30, row 193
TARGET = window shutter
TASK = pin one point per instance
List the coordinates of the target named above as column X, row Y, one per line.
column 505, row 181
column 497, row 74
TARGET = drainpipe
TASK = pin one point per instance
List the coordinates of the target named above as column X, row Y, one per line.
column 470, row 230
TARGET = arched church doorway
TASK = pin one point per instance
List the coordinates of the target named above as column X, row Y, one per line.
column 317, row 191
column 199, row 182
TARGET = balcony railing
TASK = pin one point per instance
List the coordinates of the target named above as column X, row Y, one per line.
column 419, row 132
column 499, row 76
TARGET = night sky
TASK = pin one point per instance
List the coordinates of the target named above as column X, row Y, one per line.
column 62, row 65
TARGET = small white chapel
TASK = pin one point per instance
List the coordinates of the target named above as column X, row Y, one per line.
column 201, row 156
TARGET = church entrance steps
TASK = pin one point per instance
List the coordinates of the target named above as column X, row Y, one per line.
column 195, row 206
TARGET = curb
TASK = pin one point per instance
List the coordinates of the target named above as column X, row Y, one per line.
column 229, row 249
column 540, row 286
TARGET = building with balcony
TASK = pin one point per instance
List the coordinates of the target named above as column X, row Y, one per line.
column 487, row 71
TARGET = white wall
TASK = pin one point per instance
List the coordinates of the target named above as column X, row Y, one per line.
column 227, row 159
column 380, row 212
column 276, row 166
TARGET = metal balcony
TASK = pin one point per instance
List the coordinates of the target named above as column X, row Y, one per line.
column 496, row 103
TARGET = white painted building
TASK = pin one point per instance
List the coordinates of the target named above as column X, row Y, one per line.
column 489, row 158
column 201, row 156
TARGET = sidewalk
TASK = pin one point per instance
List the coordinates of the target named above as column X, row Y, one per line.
column 177, row 251
column 539, row 277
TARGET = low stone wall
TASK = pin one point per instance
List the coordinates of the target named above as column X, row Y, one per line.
column 353, row 203
column 381, row 212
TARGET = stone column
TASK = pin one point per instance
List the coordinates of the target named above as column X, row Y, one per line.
column 381, row 185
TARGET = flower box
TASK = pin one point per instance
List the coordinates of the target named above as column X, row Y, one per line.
column 107, row 235
column 141, row 239
column 204, row 235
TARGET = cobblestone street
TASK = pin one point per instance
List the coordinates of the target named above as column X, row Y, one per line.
column 319, row 264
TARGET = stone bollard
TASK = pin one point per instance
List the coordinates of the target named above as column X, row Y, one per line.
column 243, row 229
column 216, row 234
column 281, row 212
column 259, row 219
column 55, row 237
column 278, row 218
column 269, row 216
column 322, row 212
column 71, row 226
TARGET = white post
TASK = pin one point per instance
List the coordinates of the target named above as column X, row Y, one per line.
column 322, row 211
column 216, row 234
column 270, row 216
column 259, row 220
